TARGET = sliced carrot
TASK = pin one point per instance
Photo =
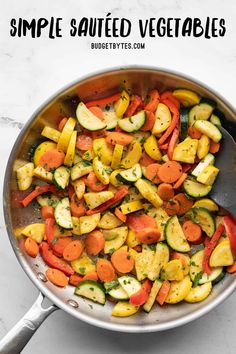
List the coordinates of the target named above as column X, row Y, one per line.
column 105, row 270
column 148, row 235
column 119, row 138
column 103, row 101
column 194, row 133
column 91, row 276
column 135, row 103
column 62, row 123
column 168, row 95
column 232, row 268
column 56, row 277
column 165, row 191
column 73, row 250
column 149, row 122
column 77, row 206
column 59, row 244
column 94, row 242
column 146, row 160
column 171, row 207
column 214, row 147
column 52, row 159
column 192, row 231
column 47, row 212
column 93, row 183
column 153, row 100
column 180, row 181
column 163, row 292
column 84, row 142
column 31, row 247
column 170, row 171
column 97, row 111
column 122, row 261
column 152, row 172
column 138, row 222
column 75, row 279
column 185, row 203
column 120, row 215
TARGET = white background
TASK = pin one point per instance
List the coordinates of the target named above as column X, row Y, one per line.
column 31, row 71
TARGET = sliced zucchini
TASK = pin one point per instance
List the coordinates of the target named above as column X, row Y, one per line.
column 203, row 218
column 186, row 97
column 148, row 192
column 183, row 123
column 66, row 134
column 41, row 149
column 173, row 270
column 133, row 155
column 129, row 284
column 109, row 221
column 116, row 238
column 152, row 296
column 93, row 200
column 131, row 207
column 51, row 133
column 113, row 180
column 199, row 293
column 131, row 175
column 196, row 272
column 209, row 129
column 186, row 151
column 163, row 119
column 80, row 169
column 216, row 117
column 201, row 111
column 124, row 309
column 61, row 177
column 87, row 119
column 117, row 156
column 100, row 171
column 24, row 176
column 91, row 290
column 48, row 200
column 43, row 174
column 175, row 236
column 88, row 155
column 222, row 255
column 118, row 293
column 209, row 159
column 88, row 223
column 133, row 123
column 63, row 215
column 110, row 119
column 152, row 149
column 195, row 189
column 208, row 175
column 206, row 203
column 179, row 290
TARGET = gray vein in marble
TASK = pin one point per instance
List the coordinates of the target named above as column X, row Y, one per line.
column 11, row 122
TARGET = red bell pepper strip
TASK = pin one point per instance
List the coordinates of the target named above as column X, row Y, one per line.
column 49, row 230
column 120, row 194
column 210, row 247
column 133, row 106
column 163, row 292
column 168, row 95
column 152, row 104
column 53, row 261
column 103, row 101
column 174, row 123
column 38, row 191
column 230, row 229
column 139, row 298
column 172, row 143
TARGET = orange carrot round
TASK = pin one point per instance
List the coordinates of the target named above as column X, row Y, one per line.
column 185, row 203
column 57, row 277
column 122, row 261
column 152, row 172
column 75, row 279
column 148, row 235
column 97, row 111
column 214, row 147
column 138, row 222
column 62, row 123
column 171, row 207
column 165, row 191
column 59, row 245
column 91, row 276
column 194, row 133
column 180, row 181
column 31, row 247
column 47, row 212
column 120, row 215
column 149, row 122
column 119, row 138
column 93, row 183
column 105, row 270
column 170, row 171
column 146, row 160
column 163, row 292
column 192, row 231
column 84, row 142
column 94, row 242
column 77, row 206
column 51, row 159
column 73, row 250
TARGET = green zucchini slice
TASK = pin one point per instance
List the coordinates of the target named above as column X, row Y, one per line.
column 195, row 189
column 201, row 111
column 63, row 215
column 130, row 175
column 87, row 119
column 209, row 159
column 183, row 122
column 209, row 129
column 61, row 177
column 133, row 123
column 203, row 218
column 175, row 236
column 91, row 290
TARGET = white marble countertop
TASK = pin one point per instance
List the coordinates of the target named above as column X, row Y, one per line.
column 31, row 71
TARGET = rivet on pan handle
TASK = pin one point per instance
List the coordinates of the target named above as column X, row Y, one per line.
column 17, row 338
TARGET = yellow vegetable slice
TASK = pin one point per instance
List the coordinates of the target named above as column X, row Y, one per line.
column 113, row 180
column 119, row 235
column 179, row 290
column 70, row 153
column 24, row 176
column 208, row 175
column 88, row 223
column 102, row 150
column 35, row 231
column 43, row 174
column 222, row 255
column 76, row 225
column 79, row 187
column 161, row 257
column 51, row 133
column 203, row 146
column 144, row 262
column 131, row 239
column 152, row 149
column 100, row 171
column 133, row 155
column 186, row 151
column 41, row 149
column 109, row 221
column 117, row 156
column 131, row 207
column 122, row 104
column 88, row 155
column 83, row 265
column 80, row 169
column 186, row 97
column 93, row 200
column 163, row 119
column 124, row 309
column 161, row 217
column 66, row 133
column 172, row 270
column 207, row 204
column 148, row 192
column 199, row 293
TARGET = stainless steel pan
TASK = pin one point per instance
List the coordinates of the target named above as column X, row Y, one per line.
column 138, row 80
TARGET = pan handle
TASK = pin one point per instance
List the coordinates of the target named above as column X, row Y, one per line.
column 17, row 338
